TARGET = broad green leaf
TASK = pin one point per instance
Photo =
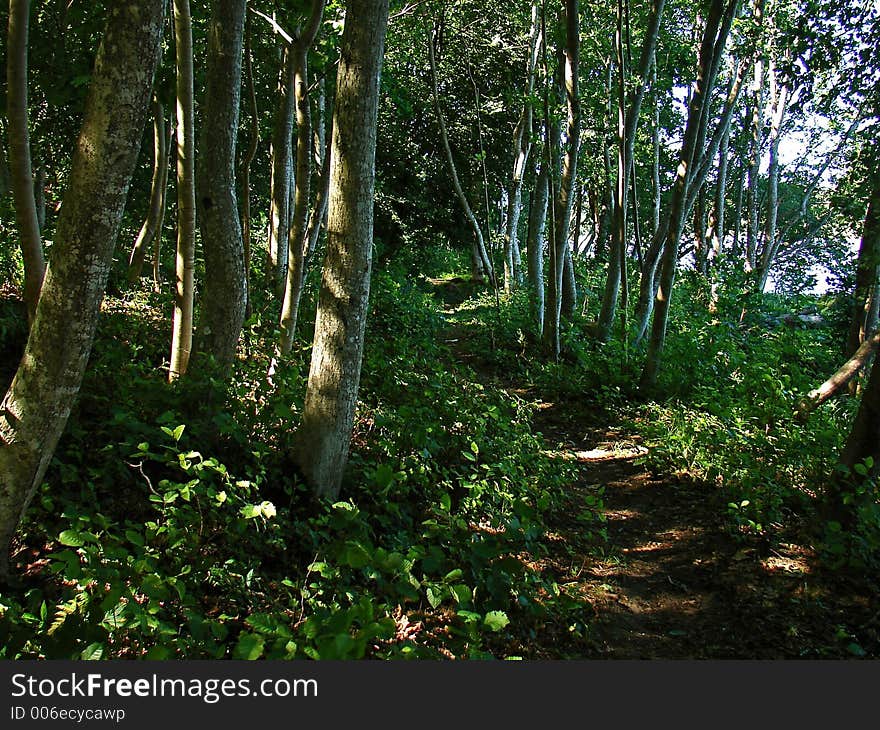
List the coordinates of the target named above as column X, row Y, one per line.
column 496, row 620
column 93, row 652
column 249, row 646
column 71, row 538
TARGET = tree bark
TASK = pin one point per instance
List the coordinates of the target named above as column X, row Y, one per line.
column 535, row 244
column 562, row 204
column 324, row 436
column 522, row 145
column 223, row 301
column 160, row 226
column 157, row 195
column 281, row 172
column 21, row 171
column 247, row 161
column 298, row 237
column 182, row 319
column 838, row 381
column 37, row 405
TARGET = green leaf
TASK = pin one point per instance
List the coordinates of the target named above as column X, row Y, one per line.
column 249, row 646
column 93, row 652
column 855, row 649
column 496, row 620
column 178, row 432
column 462, row 593
column 71, row 538
column 435, row 597
column 860, row 469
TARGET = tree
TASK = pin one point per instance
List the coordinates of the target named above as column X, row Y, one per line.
column 185, row 259
column 562, row 201
column 331, row 396
column 150, row 228
column 38, row 402
column 297, row 237
column 717, row 28
column 21, row 172
column 224, row 297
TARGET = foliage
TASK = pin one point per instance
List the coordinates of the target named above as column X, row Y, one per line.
column 145, row 545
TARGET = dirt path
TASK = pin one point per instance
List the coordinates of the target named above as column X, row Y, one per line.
column 672, row 580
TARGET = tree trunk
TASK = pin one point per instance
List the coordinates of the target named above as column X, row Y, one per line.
column 280, row 177
column 324, row 437
column 627, row 127
column 841, row 378
column 298, row 240
column 223, row 301
column 21, row 171
column 522, row 145
column 157, row 195
column 535, row 244
column 182, row 319
column 778, row 104
column 160, row 226
column 38, row 402
column 248, row 160
column 712, row 47
column 756, row 105
column 562, row 204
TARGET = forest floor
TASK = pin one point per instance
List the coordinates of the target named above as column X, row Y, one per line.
column 674, row 579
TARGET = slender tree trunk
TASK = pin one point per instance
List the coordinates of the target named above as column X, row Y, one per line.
column 562, row 204
column 182, row 319
column 21, row 171
column 223, row 301
column 756, row 106
column 298, row 240
column 40, row 196
column 157, row 195
column 38, row 402
column 717, row 223
column 479, row 252
column 569, row 285
column 535, row 244
column 160, row 226
column 715, row 36
column 281, row 171
column 578, row 220
column 778, row 104
column 248, row 160
column 735, row 249
column 324, row 436
column 522, row 145
column 628, row 111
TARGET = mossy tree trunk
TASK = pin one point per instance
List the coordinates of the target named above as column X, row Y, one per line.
column 331, row 397
column 224, row 299
column 37, row 405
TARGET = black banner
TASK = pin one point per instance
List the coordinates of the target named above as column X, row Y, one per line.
column 237, row 694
